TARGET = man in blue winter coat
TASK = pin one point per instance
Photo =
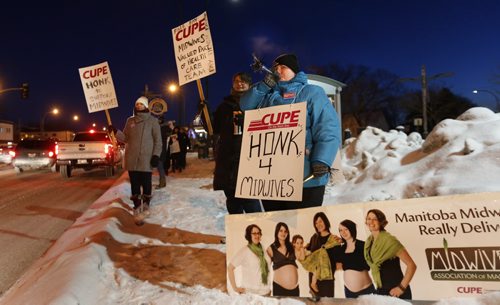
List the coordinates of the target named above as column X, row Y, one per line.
column 323, row 133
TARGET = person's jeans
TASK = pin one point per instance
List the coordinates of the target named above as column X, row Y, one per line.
column 161, row 170
column 239, row 205
column 138, row 180
column 367, row 290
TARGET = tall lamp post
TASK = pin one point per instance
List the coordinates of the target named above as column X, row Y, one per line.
column 54, row 111
column 173, row 88
column 497, row 98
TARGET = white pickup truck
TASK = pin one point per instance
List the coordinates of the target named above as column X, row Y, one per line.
column 88, row 150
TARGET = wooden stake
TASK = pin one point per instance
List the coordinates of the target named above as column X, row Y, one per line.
column 205, row 109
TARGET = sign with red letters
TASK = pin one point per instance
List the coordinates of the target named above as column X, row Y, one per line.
column 98, row 87
column 194, row 51
column 272, row 153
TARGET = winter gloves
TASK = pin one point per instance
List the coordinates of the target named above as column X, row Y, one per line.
column 319, row 169
column 155, row 160
column 271, row 79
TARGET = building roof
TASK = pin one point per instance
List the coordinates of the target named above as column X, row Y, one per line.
column 330, row 85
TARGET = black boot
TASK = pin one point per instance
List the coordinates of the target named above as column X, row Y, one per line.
column 162, row 184
column 146, row 199
column 136, row 200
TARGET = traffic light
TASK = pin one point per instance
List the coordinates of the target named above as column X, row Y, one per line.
column 25, row 90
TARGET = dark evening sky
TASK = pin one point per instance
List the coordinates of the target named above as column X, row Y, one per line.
column 45, row 45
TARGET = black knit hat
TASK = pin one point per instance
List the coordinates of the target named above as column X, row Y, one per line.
column 289, row 60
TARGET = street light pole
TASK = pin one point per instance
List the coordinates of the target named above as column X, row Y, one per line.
column 174, row 88
column 497, row 99
column 42, row 122
column 423, row 79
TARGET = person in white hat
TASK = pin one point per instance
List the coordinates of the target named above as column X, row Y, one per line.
column 143, row 144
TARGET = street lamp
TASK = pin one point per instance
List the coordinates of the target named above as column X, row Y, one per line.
column 497, row 99
column 173, row 88
column 54, row 111
column 76, row 118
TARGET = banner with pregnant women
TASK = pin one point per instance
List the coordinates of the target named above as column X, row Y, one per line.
column 421, row 249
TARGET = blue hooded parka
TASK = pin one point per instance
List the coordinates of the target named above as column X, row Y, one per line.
column 323, row 135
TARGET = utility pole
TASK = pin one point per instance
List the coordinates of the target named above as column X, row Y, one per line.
column 423, row 79
column 149, row 94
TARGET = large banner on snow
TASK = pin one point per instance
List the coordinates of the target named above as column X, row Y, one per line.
column 454, row 241
column 98, row 87
column 194, row 51
column 272, row 153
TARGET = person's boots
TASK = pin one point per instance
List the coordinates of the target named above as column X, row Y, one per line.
column 163, row 183
column 146, row 199
column 137, row 202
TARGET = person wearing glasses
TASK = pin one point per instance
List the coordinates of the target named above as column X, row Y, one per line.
column 228, row 125
column 383, row 253
column 254, row 264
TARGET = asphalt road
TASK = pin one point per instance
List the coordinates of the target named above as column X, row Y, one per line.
column 35, row 209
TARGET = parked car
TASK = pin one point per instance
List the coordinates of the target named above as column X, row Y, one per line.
column 35, row 154
column 7, row 151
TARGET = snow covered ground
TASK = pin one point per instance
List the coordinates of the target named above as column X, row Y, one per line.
column 177, row 257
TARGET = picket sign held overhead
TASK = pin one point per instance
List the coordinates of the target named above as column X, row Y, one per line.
column 99, row 90
column 194, row 56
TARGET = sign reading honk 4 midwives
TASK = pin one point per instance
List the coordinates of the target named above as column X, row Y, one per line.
column 98, row 87
column 194, row 51
column 272, row 153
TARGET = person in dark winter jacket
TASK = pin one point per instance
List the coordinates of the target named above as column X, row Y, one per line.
column 228, row 126
column 164, row 156
column 184, row 145
column 288, row 85
column 142, row 138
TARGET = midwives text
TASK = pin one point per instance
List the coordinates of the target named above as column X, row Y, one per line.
column 473, row 220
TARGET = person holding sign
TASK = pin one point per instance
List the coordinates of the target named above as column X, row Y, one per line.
column 321, row 261
column 383, row 253
column 254, row 264
column 142, row 138
column 282, row 254
column 288, row 85
column 228, row 122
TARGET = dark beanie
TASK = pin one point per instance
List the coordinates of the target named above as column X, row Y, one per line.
column 289, row 60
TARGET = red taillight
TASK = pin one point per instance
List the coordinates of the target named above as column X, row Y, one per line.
column 108, row 148
column 51, row 154
column 57, row 149
column 12, row 153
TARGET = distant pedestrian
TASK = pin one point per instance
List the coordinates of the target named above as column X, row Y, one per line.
column 175, row 152
column 164, row 156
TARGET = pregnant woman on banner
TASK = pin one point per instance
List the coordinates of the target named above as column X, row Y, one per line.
column 282, row 254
